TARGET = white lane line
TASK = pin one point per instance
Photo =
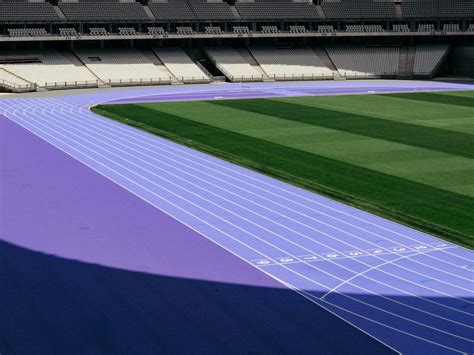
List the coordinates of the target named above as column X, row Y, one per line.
column 184, row 223
column 442, row 271
column 232, row 202
column 251, row 211
column 421, row 324
column 84, row 111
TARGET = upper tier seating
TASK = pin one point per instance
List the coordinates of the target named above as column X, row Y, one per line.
column 180, row 65
column 437, row 8
column 27, row 11
column 358, row 8
column 122, row 65
column 276, row 9
column 233, row 65
column 286, row 64
column 51, row 68
column 102, row 10
column 359, row 61
column 171, row 10
column 211, row 10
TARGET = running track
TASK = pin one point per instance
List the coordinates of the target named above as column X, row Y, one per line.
column 409, row 290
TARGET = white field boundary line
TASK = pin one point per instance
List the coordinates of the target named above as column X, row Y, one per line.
column 441, row 345
column 190, row 227
column 230, row 211
column 309, row 278
column 84, row 124
column 147, row 136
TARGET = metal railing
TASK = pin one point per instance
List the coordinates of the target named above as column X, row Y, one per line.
column 14, row 87
column 138, row 82
column 58, row 85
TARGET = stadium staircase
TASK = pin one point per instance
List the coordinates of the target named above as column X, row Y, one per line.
column 75, row 60
column 248, row 56
column 407, row 61
column 60, row 13
column 236, row 13
column 320, row 11
column 153, row 58
column 324, row 57
column 148, row 12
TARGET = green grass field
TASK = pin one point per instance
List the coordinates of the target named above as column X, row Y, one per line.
column 407, row 157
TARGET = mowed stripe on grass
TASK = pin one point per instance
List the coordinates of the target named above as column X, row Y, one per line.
column 416, row 174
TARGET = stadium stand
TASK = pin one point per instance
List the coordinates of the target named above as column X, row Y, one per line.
column 428, row 58
column 127, row 31
column 233, row 65
column 27, row 32
column 27, row 11
column 102, row 10
column 211, row 10
column 46, row 68
column 401, row 28
column 437, row 8
column 213, row 30
column 184, row 30
column 298, row 29
column 343, row 9
column 68, row 32
column 156, row 31
column 451, row 27
column 326, row 29
column 241, row 30
column 429, row 28
column 171, row 10
column 98, row 31
column 270, row 29
column 181, row 65
column 124, row 66
column 360, row 61
column 291, row 64
column 276, row 9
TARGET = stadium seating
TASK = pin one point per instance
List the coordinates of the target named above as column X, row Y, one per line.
column 241, row 30
column 276, row 9
column 102, row 10
column 213, row 30
column 50, row 69
column 426, row 28
column 27, row 32
column 184, row 30
column 211, row 10
column 233, row 65
column 298, row 29
column 171, row 10
column 127, row 31
column 68, row 32
column 428, row 57
column 401, row 28
column 291, row 64
column 326, row 29
column 27, row 11
column 437, row 8
column 270, row 29
column 343, row 9
column 360, row 61
column 451, row 27
column 180, row 65
column 122, row 66
column 156, row 31
column 98, row 31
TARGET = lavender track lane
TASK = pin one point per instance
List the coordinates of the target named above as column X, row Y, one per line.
column 407, row 289
column 140, row 281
